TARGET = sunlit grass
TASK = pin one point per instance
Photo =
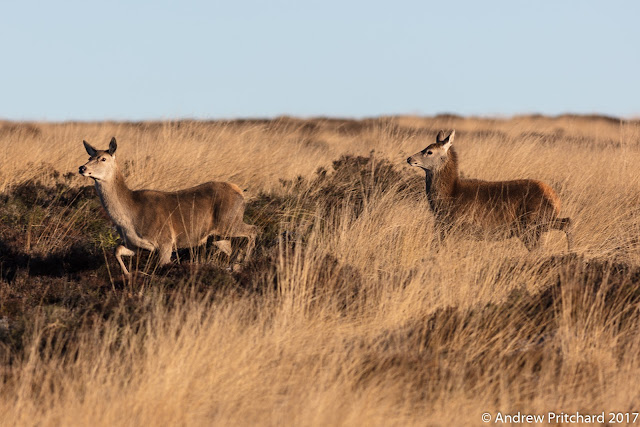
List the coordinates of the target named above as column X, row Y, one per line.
column 366, row 325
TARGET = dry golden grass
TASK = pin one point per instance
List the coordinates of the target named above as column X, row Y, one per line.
column 421, row 338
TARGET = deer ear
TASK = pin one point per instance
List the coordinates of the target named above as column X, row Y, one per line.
column 451, row 136
column 92, row 151
column 440, row 137
column 446, row 142
column 112, row 146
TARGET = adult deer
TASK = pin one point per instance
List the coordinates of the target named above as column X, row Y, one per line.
column 522, row 208
column 164, row 221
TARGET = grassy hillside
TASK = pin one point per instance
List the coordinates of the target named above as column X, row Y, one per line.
column 345, row 316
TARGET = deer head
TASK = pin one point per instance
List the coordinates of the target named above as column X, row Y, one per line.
column 433, row 158
column 102, row 163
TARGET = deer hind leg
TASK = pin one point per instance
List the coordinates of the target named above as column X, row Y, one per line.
column 566, row 225
column 121, row 251
column 238, row 228
column 250, row 232
column 531, row 238
column 224, row 246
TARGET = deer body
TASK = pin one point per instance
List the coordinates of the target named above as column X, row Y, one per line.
column 522, row 208
column 164, row 221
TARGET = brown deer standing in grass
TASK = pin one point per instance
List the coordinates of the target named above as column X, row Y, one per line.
column 164, row 221
column 522, row 208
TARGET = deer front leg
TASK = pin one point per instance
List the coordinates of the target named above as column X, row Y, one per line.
column 165, row 254
column 121, row 251
column 439, row 235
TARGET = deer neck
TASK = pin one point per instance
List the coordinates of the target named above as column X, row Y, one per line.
column 117, row 199
column 440, row 185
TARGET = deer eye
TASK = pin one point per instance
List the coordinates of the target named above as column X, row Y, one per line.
column 104, row 159
column 429, row 153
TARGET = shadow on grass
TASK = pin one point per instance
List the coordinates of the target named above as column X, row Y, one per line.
column 522, row 334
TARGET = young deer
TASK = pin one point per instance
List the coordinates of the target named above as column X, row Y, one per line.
column 164, row 221
column 522, row 208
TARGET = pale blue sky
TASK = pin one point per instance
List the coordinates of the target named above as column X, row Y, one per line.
column 133, row 60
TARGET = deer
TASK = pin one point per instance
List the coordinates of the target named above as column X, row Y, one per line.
column 164, row 221
column 494, row 210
